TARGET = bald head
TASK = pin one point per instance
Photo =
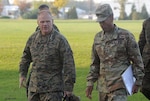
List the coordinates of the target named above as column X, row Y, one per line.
column 45, row 21
column 44, row 12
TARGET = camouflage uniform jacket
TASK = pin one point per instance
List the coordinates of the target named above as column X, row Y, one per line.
column 112, row 53
column 144, row 43
column 53, row 67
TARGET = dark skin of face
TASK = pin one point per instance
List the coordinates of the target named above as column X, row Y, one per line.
column 107, row 25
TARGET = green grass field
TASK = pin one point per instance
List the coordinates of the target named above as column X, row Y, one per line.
column 80, row 34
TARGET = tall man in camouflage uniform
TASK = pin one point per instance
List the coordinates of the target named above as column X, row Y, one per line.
column 53, row 68
column 41, row 7
column 144, row 44
column 114, row 49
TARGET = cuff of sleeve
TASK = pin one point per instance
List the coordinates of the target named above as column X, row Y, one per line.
column 89, row 83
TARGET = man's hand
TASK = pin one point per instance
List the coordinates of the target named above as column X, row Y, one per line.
column 135, row 89
column 22, row 82
column 89, row 90
column 67, row 93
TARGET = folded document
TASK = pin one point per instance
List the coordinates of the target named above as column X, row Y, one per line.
column 128, row 79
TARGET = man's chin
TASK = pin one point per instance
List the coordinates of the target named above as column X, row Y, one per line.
column 45, row 33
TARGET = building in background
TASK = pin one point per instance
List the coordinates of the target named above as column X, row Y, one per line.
column 85, row 11
column 9, row 9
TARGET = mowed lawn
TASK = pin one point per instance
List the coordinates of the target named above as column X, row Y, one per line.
column 80, row 34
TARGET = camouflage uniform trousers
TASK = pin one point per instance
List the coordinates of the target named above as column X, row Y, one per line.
column 117, row 95
column 145, row 89
column 49, row 96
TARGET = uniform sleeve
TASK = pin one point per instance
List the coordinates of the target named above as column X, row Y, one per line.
column 135, row 58
column 94, row 68
column 25, row 60
column 68, row 65
column 142, row 40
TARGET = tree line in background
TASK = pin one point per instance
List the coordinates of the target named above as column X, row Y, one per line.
column 134, row 14
column 28, row 10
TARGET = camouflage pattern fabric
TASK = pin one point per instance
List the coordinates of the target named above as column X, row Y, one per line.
column 51, row 96
column 112, row 53
column 144, row 44
column 27, row 84
column 53, row 67
column 145, row 89
column 118, row 95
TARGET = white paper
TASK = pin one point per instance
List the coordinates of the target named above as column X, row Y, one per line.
column 128, row 79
